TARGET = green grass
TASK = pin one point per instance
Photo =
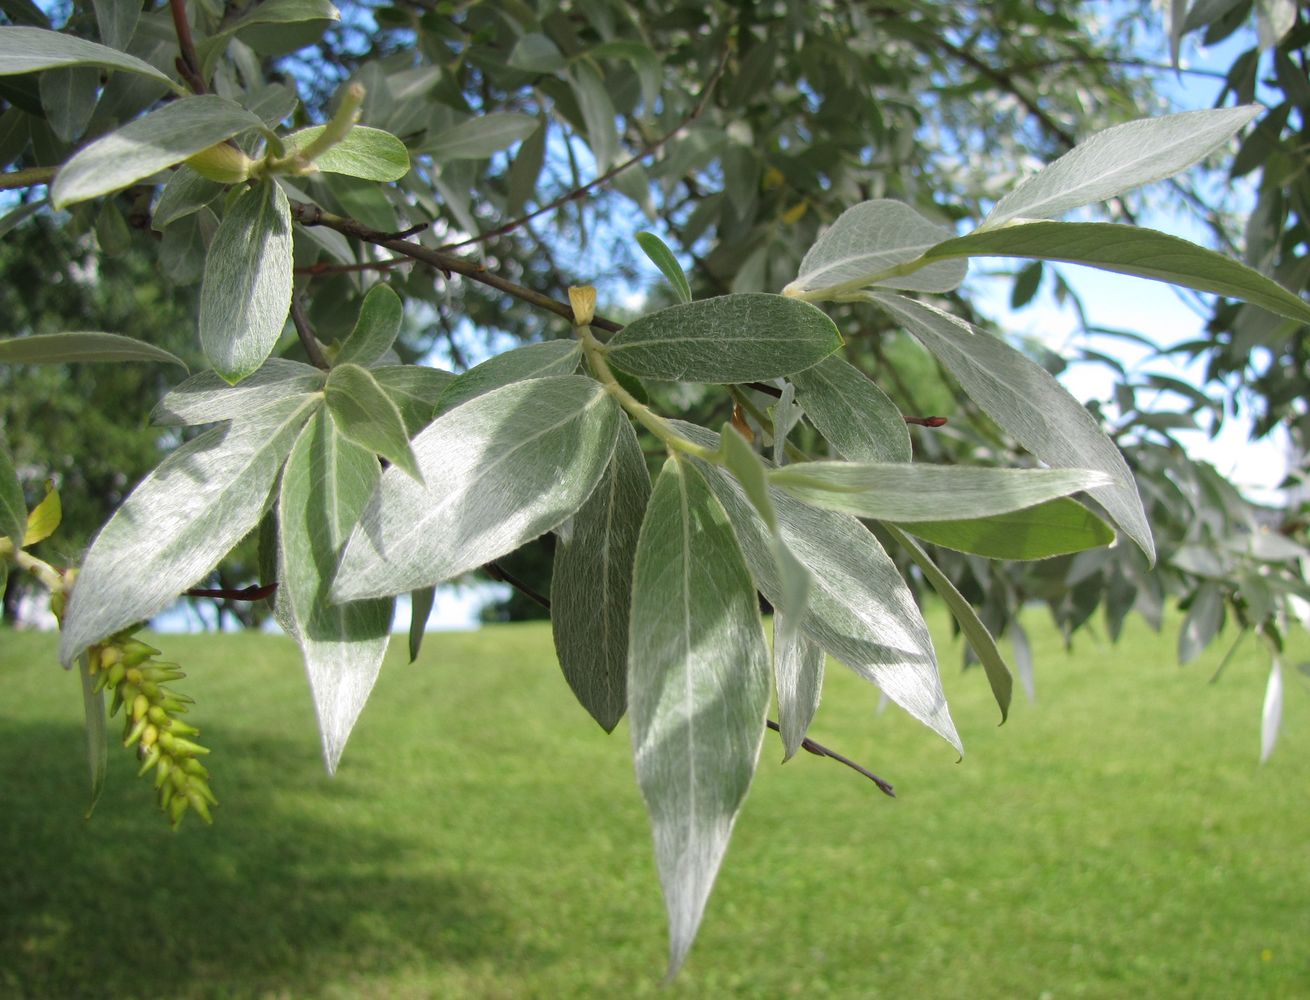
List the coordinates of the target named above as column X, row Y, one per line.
column 485, row 839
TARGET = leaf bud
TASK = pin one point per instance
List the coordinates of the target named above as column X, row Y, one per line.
column 140, row 705
column 223, row 163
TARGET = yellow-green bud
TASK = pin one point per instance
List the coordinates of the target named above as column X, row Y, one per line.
column 109, row 655
column 140, row 705
column 134, row 733
column 223, row 163
column 199, row 804
column 149, row 735
column 151, row 759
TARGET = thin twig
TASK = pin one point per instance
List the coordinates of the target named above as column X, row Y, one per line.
column 498, row 572
column 306, row 333
column 188, row 63
column 256, row 592
column 926, row 421
column 819, row 750
column 323, row 267
column 27, row 177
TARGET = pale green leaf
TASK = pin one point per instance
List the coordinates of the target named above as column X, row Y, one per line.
column 1271, row 712
column 72, row 348
column 367, row 153
column 1055, row 528
column 499, row 471
column 365, row 414
column 415, row 390
column 13, row 505
column 698, row 689
column 643, row 59
column 420, row 610
column 551, row 357
column 117, row 21
column 185, row 192
column 148, row 145
column 535, row 53
column 591, row 583
column 178, row 523
column 287, row 12
column 1202, row 623
column 97, row 738
column 733, row 338
column 29, row 50
column 598, row 115
column 480, row 138
column 325, row 485
column 1119, row 159
column 44, row 518
column 662, row 257
column 68, row 97
column 798, row 676
column 246, row 293
column 205, row 398
column 851, row 412
column 375, row 330
column 1023, row 658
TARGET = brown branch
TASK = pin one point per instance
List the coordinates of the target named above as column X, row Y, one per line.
column 27, row 178
column 926, row 421
column 188, row 63
column 306, row 333
column 374, row 265
column 252, row 593
column 498, row 572
column 819, row 750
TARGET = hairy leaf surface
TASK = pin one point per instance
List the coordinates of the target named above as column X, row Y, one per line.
column 71, row 348
column 798, row 676
column 368, row 153
column 364, row 413
column 29, row 50
column 205, row 398
column 415, row 390
column 852, row 413
column 551, row 357
column 376, row 328
column 1055, row 528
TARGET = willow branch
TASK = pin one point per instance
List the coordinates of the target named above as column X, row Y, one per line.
column 188, row 63
column 27, row 178
column 819, row 750
column 305, row 331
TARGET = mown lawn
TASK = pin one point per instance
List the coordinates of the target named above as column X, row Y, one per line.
column 485, row 839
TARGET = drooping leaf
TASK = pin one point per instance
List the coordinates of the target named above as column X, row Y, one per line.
column 69, row 98
column 1026, row 401
column 367, row 153
column 1202, row 622
column 325, row 485
column 551, row 357
column 1055, row 528
column 97, row 738
column 864, row 242
column 662, row 257
column 178, row 523
column 44, row 518
column 205, row 398
column 13, row 506
column 29, row 50
column 1271, row 713
column 591, row 583
column 375, row 330
column 499, row 471
column 420, row 604
column 147, row 145
column 598, row 115
column 852, row 413
column 72, row 348
column 365, row 414
column 1119, row 159
column 1023, row 659
column 415, row 390
column 480, row 138
column 698, row 689
column 733, row 338
column 246, row 294
column 1143, row 253
column 798, row 676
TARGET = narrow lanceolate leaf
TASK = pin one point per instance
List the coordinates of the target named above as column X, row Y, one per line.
column 13, row 506
column 375, row 330
column 852, row 413
column 365, row 414
column 326, row 483
column 415, row 390
column 733, row 338
column 44, row 518
column 552, row 357
column 662, row 257
column 591, row 583
column 1118, row 160
column 97, row 739
column 68, row 97
column 206, row 399
column 246, row 293
column 498, row 471
column 1055, row 528
column 598, row 114
column 184, row 193
column 480, row 138
column 117, row 21
column 148, row 145
column 916, row 492
column 1143, row 253
column 865, row 241
column 1023, row 659
column 420, row 610
column 798, row 675
column 698, row 688
column 70, row 348
column 1028, row 403
column 975, row 632
column 859, row 608
column 178, row 523
column 29, row 50
column 1271, row 714
column 368, row 153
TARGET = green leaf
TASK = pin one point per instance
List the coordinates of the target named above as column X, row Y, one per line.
column 72, row 348
column 367, row 153
column 698, row 689
column 1271, row 712
column 1143, row 253
column 420, row 604
column 852, row 413
column 551, row 357
column 864, row 242
column 415, row 390
column 975, row 632
column 918, row 492
column 591, row 583
column 535, row 53
column 1119, row 159
column 117, row 21
column 246, row 293
column 365, row 414
column 44, row 518
column 480, row 138
column 733, row 338
column 184, row 193
column 598, row 115
column 643, row 59
column 29, row 50
column 287, row 12
column 1027, row 402
column 325, row 485
column 662, row 257
column 69, row 98
column 1202, row 623
column 13, row 506
column 798, row 675
column 1023, row 658
column 206, row 398
column 525, row 170
column 97, row 738
column 375, row 330
column 1054, row 528
column 148, row 145
column 178, row 523
column 499, row 471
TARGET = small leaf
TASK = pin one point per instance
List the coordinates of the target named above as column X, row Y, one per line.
column 206, row 398
column 852, row 413
column 1271, row 713
column 365, row 414
column 420, row 604
column 551, row 357
column 368, row 153
column 247, row 288
column 375, row 330
column 44, row 518
column 662, row 257
column 591, row 583
column 598, row 115
column 71, row 348
column 415, row 390
column 1119, row 159
column 1023, row 659
column 13, row 506
column 152, row 143
column 1055, row 528
column 29, row 50
column 480, row 138
column 798, row 674
column 698, row 683
column 97, row 739
column 499, row 471
column 733, row 338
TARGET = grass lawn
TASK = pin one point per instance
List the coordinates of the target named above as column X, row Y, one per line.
column 485, row 839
